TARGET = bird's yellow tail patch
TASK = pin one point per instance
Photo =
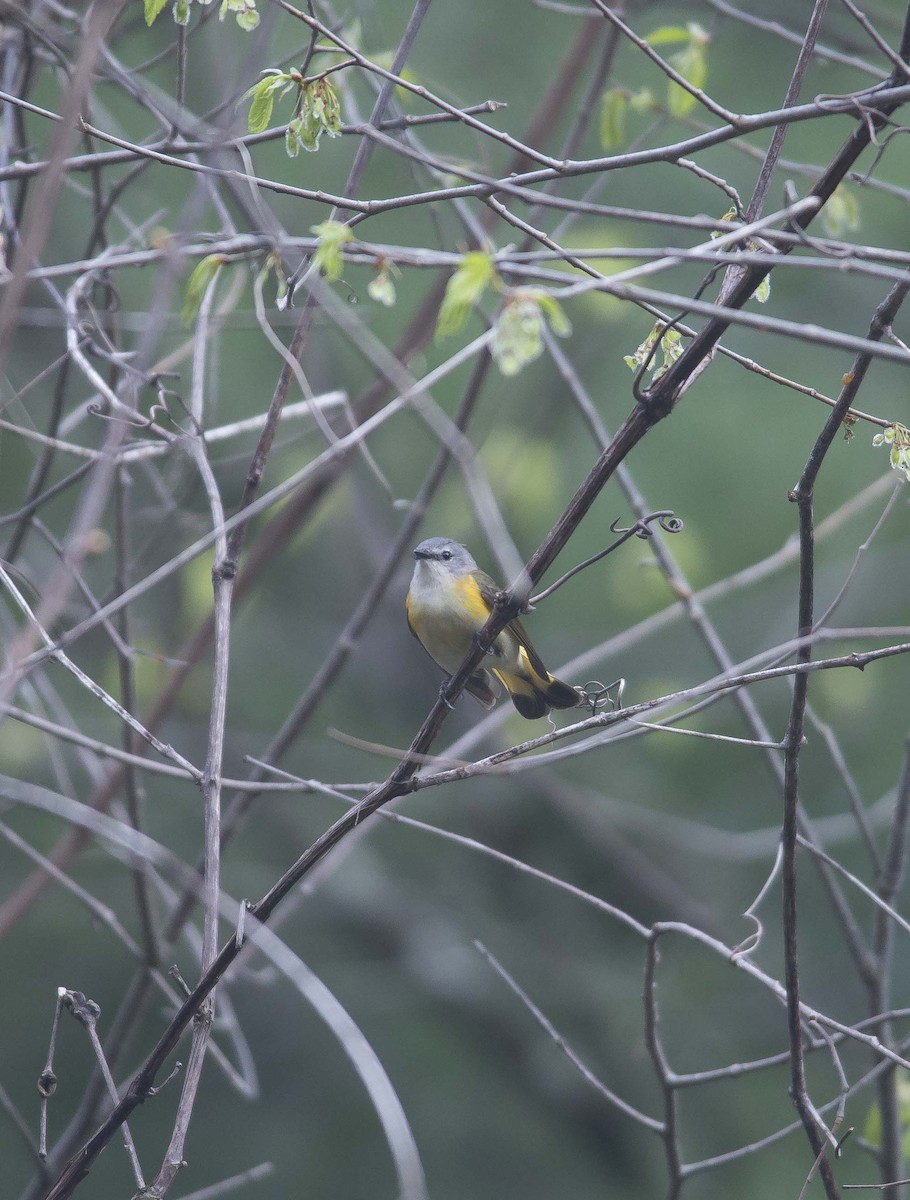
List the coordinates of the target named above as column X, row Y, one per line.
column 534, row 694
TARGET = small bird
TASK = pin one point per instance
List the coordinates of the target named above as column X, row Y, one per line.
column 448, row 603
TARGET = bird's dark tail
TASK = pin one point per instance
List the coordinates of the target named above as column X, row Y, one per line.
column 534, row 696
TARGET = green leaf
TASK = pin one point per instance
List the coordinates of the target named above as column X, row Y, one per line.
column 320, row 112
column 153, row 9
column 329, row 256
column 518, row 333
column 730, row 215
column 326, row 106
column 634, row 361
column 182, row 12
column 897, row 436
column 310, row 131
column 261, row 111
column 763, row 292
column 244, row 10
column 469, row 282
column 872, row 1130
column 692, row 63
column 614, row 105
column 281, row 287
column 671, row 348
column 273, row 263
column 381, row 288
column 292, row 137
column 668, row 35
column 642, row 101
column 262, row 95
column 197, row 284
column 556, row 317
column 841, row 214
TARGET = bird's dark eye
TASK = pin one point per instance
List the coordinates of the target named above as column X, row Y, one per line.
column 446, row 554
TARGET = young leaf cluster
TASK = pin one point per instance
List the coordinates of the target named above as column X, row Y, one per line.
column 202, row 275
column 243, row 10
column 690, row 61
column 841, row 214
column 670, row 349
column 896, row 436
column 329, row 257
column 518, row 332
column 763, row 292
column 318, row 112
column 381, row 287
column 317, row 109
column 469, row 282
column 615, row 104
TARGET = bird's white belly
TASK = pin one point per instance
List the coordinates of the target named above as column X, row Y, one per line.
column 447, row 628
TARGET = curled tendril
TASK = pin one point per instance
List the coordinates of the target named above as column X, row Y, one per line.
column 666, row 518
column 135, row 422
column 839, row 1148
column 159, row 413
column 161, row 410
column 882, row 147
column 597, row 695
column 669, row 522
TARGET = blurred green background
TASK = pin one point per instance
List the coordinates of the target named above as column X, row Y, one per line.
column 662, row 826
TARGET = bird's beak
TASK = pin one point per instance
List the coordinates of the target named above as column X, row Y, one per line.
column 419, row 554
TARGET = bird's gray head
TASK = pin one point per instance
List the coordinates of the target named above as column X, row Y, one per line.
column 443, row 553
